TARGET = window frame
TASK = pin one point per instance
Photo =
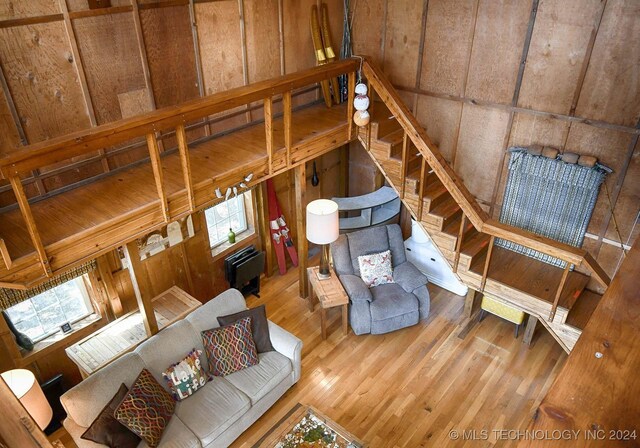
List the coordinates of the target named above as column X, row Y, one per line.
column 242, row 200
column 86, row 296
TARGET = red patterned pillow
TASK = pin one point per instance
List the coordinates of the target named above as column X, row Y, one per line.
column 230, row 348
column 146, row 409
column 376, row 269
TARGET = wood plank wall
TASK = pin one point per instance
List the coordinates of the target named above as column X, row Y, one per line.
column 66, row 67
column 485, row 75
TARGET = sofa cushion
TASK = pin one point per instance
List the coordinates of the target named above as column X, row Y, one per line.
column 391, row 300
column 205, row 317
column 84, row 402
column 176, row 435
column 107, row 430
column 375, row 269
column 212, row 410
column 170, row 345
column 259, row 326
column 258, row 380
column 186, row 377
column 368, row 241
column 230, row 348
column 146, row 409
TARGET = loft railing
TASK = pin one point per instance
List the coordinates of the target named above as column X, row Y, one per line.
column 149, row 125
column 383, row 89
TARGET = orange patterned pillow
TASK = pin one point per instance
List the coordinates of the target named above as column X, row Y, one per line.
column 146, row 409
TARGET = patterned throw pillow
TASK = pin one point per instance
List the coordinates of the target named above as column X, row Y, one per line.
column 186, row 377
column 146, row 409
column 376, row 269
column 230, row 348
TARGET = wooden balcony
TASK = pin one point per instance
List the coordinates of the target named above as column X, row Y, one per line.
column 49, row 236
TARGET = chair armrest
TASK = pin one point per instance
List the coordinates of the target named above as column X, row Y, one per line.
column 288, row 345
column 409, row 277
column 356, row 289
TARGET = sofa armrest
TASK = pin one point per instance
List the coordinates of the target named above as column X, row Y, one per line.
column 356, row 289
column 409, row 277
column 76, row 431
column 287, row 344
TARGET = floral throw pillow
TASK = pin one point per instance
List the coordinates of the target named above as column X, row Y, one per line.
column 230, row 348
column 376, row 269
column 146, row 409
column 186, row 377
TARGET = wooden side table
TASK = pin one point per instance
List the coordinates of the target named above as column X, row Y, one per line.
column 329, row 293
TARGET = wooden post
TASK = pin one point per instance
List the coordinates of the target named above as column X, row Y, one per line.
column 25, row 209
column 183, row 147
column 143, row 295
column 463, row 224
column 530, row 330
column 265, row 231
column 350, row 97
column 268, row 127
column 565, row 274
column 469, row 302
column 404, row 165
column 487, row 263
column 288, row 130
column 17, row 427
column 423, row 171
column 301, row 228
column 156, row 165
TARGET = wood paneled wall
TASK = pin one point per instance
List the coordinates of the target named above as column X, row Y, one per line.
column 484, row 75
column 66, row 67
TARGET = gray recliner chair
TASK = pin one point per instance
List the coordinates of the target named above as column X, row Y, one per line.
column 387, row 307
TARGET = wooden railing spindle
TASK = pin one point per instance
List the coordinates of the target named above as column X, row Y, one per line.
column 25, row 209
column 185, row 161
column 288, row 129
column 463, row 224
column 423, row 170
column 487, row 262
column 156, row 166
column 404, row 165
column 351, row 93
column 268, row 127
column 563, row 280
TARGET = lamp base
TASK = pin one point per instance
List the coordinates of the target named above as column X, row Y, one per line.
column 323, row 276
column 324, row 272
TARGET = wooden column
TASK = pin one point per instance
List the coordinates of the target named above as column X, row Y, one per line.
column 530, row 330
column 156, row 165
column 351, row 95
column 268, row 127
column 183, row 147
column 469, row 302
column 301, row 228
column 17, row 427
column 25, row 209
column 143, row 295
column 263, row 222
column 288, row 131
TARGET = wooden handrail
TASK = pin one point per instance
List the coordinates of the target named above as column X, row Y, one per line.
column 82, row 142
column 478, row 217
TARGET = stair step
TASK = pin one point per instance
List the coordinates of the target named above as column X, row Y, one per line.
column 413, row 179
column 531, row 276
column 444, row 212
column 472, row 248
column 453, row 228
column 582, row 309
column 384, row 125
column 434, row 194
column 394, row 140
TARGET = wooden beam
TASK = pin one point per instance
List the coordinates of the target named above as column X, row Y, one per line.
column 596, row 270
column 263, row 222
column 556, row 299
column 4, row 252
column 268, row 127
column 185, row 161
column 301, row 228
column 485, row 270
column 25, row 209
column 100, row 11
column 156, row 165
column 17, row 427
column 288, row 129
column 143, row 295
column 23, row 21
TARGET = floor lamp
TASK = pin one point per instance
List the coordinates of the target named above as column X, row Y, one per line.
column 323, row 228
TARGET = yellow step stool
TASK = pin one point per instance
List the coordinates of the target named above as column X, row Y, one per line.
column 507, row 312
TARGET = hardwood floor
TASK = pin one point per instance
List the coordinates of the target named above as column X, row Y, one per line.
column 412, row 387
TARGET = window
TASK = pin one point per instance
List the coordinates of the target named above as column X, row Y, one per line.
column 42, row 315
column 227, row 215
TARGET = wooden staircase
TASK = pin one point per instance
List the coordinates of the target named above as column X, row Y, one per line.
column 465, row 235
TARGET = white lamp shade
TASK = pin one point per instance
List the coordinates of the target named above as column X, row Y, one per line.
column 322, row 221
column 24, row 386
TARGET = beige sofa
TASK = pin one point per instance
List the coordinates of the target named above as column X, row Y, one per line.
column 215, row 415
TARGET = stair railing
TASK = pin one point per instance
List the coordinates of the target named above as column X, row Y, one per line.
column 383, row 88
